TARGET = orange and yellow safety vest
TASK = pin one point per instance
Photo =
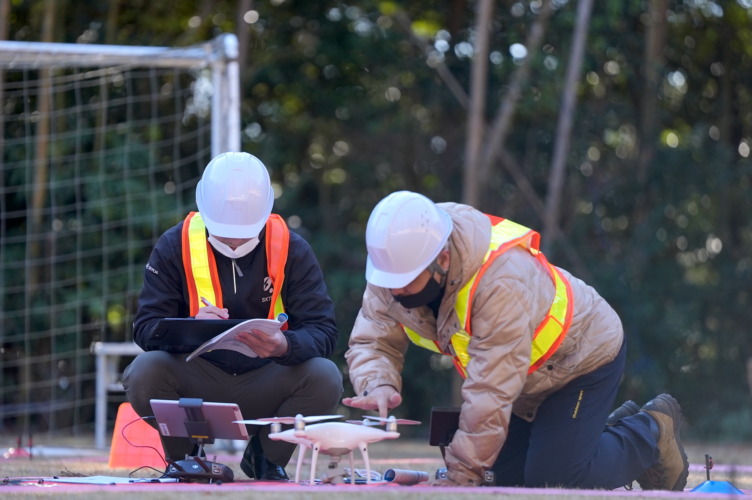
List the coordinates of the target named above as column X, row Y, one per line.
column 201, row 267
column 550, row 331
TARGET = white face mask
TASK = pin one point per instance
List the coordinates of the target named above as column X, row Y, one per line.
column 239, row 252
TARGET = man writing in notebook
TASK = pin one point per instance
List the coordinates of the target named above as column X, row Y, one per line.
column 235, row 259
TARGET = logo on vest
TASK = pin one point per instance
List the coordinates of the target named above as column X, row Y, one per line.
column 268, row 288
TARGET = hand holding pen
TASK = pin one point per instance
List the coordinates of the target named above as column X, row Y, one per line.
column 210, row 311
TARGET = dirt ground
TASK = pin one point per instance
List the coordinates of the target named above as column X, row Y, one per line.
column 68, row 458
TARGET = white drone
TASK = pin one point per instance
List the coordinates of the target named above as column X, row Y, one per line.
column 331, row 438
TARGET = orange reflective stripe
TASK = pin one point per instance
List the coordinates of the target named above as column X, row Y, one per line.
column 550, row 332
column 504, row 235
column 185, row 244
column 460, row 368
column 200, row 265
column 277, row 246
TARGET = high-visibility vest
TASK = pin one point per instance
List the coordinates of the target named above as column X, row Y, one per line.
column 201, row 267
column 550, row 331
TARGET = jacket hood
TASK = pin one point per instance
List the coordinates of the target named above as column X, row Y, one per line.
column 468, row 242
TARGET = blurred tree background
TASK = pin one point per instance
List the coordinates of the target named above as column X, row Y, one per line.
column 644, row 193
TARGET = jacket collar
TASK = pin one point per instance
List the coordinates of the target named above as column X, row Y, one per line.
column 468, row 245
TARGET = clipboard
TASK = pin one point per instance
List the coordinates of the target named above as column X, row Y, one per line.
column 184, row 335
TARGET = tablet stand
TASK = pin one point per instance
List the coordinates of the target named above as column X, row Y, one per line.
column 199, row 429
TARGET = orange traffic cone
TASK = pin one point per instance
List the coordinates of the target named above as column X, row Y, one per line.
column 134, row 442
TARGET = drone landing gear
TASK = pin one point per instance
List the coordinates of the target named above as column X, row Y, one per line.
column 334, row 463
column 336, row 474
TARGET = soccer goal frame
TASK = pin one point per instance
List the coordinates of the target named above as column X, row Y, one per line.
column 76, row 229
column 221, row 55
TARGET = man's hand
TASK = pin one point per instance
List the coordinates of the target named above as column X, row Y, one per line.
column 383, row 399
column 265, row 345
column 210, row 311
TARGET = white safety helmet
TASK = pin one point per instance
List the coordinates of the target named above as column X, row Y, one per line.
column 235, row 196
column 405, row 233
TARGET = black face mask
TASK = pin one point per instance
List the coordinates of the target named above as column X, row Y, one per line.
column 430, row 292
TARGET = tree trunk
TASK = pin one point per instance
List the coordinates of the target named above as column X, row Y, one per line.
column 41, row 150
column 564, row 127
column 112, row 22
column 243, row 32
column 654, row 62
column 494, row 141
column 446, row 76
column 655, row 40
column 475, row 116
column 4, row 13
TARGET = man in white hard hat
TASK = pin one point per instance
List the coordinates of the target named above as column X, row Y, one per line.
column 541, row 353
column 235, row 259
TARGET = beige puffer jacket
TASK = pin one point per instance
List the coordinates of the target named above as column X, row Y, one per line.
column 512, row 298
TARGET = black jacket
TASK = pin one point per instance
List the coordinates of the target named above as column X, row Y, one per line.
column 246, row 293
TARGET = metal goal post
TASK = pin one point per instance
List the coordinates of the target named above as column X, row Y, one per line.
column 101, row 148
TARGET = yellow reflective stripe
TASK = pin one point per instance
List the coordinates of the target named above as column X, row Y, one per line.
column 279, row 307
column 508, row 230
column 560, row 304
column 548, row 333
column 463, row 299
column 501, row 233
column 421, row 341
column 200, row 260
column 551, row 328
column 460, row 341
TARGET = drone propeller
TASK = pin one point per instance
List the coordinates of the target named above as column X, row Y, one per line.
column 365, row 421
column 288, row 420
column 398, row 421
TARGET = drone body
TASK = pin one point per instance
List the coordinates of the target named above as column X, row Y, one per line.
column 334, row 439
column 331, row 438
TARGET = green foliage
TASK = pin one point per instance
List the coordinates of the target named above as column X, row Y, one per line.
column 344, row 107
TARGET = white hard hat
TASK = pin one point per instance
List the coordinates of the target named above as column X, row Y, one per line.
column 405, row 233
column 235, row 196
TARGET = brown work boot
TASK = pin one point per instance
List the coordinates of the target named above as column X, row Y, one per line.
column 672, row 468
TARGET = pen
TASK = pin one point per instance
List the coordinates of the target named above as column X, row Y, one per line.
column 221, row 315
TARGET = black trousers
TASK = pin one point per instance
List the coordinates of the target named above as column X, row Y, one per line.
column 568, row 443
column 310, row 388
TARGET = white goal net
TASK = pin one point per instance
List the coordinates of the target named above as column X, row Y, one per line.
column 101, row 148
